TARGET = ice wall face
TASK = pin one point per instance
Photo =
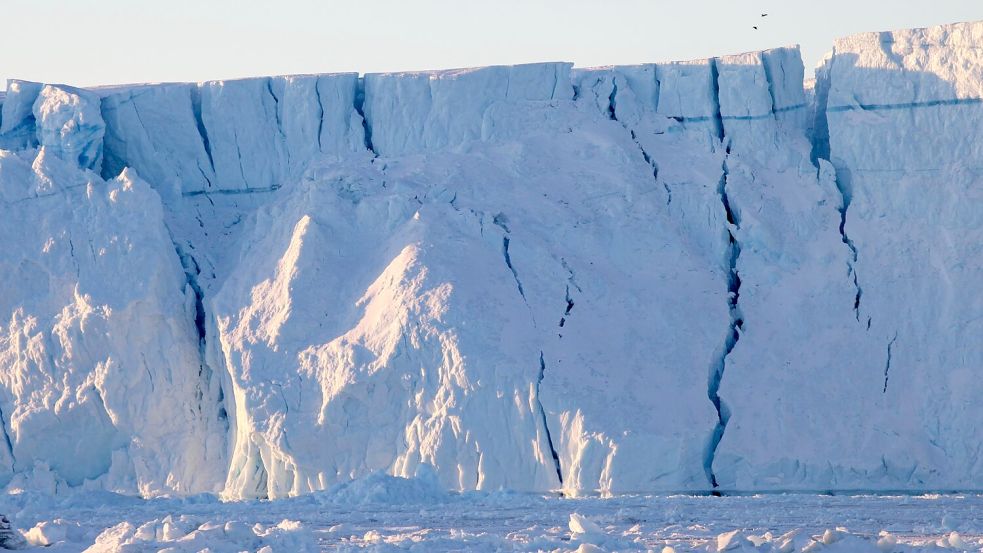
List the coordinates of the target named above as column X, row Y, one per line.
column 101, row 383
column 158, row 131
column 772, row 234
column 793, row 316
column 665, row 277
column 432, row 111
column 521, row 324
column 385, row 371
column 923, row 306
column 231, row 136
column 884, row 401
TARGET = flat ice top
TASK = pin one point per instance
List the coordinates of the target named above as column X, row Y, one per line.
column 452, row 72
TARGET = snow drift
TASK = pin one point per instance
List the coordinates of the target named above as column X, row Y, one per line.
column 678, row 276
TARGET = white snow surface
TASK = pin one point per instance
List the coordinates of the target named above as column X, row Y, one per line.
column 386, row 513
column 672, row 277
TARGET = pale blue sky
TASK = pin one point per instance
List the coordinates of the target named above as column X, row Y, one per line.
column 89, row 42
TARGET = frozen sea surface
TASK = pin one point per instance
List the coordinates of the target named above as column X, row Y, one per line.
column 383, row 513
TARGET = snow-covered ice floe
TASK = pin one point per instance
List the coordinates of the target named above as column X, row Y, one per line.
column 386, row 513
column 675, row 277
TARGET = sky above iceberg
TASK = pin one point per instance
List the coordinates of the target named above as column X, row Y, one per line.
column 90, row 42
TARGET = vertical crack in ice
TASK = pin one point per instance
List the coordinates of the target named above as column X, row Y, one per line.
column 771, row 84
column 111, row 164
column 320, row 117
column 556, row 82
column 542, row 413
column 205, row 372
column 820, row 127
column 360, row 108
column 652, row 163
column 242, row 170
column 195, row 92
column 733, row 334
column 78, row 268
column 613, row 99
column 501, row 221
column 191, row 272
column 277, row 116
column 821, row 151
column 508, row 262
column 276, row 105
column 150, row 375
column 657, row 93
column 845, row 188
column 718, row 117
column 887, row 364
column 851, row 266
column 733, row 292
column 571, row 277
column 10, row 444
column 153, row 144
column 613, row 115
column 570, row 304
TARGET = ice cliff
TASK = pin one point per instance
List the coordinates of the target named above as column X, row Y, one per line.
column 686, row 276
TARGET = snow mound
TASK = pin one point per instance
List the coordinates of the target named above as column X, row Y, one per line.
column 185, row 534
column 380, row 488
column 54, row 532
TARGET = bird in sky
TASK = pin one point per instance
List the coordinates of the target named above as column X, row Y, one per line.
column 764, row 15
column 755, row 27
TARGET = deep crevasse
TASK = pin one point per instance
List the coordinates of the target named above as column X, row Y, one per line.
column 339, row 245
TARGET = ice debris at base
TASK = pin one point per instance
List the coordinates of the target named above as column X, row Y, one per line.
column 382, row 489
column 688, row 276
column 186, row 535
column 480, row 521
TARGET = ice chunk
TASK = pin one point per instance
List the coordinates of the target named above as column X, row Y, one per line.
column 580, row 524
column 380, row 488
column 17, row 127
column 102, row 379
column 70, row 125
column 229, row 536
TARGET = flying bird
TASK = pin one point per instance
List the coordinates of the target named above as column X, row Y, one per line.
column 764, row 15
column 755, row 27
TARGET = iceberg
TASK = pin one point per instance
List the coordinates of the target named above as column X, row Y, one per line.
column 691, row 276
